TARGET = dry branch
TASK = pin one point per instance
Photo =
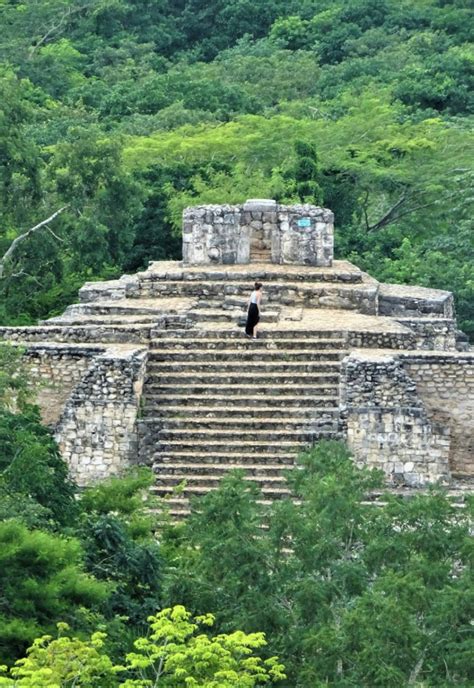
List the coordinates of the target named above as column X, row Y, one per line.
column 21, row 237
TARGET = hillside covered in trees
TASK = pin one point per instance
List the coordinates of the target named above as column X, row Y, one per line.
column 126, row 111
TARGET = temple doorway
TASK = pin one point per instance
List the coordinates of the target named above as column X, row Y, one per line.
column 261, row 242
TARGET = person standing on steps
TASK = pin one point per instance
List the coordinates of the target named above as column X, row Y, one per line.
column 253, row 315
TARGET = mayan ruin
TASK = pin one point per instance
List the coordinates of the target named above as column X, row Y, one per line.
column 154, row 366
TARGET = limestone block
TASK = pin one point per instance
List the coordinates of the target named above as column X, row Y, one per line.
column 260, row 205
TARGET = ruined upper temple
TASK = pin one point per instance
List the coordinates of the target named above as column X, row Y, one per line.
column 260, row 230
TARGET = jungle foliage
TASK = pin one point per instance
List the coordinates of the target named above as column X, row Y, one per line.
column 127, row 111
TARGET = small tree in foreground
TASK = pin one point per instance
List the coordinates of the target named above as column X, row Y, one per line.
column 174, row 655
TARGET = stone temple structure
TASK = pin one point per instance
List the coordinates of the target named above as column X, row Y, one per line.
column 259, row 230
column 154, row 368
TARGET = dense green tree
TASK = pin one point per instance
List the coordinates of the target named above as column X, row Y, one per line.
column 117, row 535
column 32, row 473
column 34, row 482
column 87, row 173
column 42, row 579
column 306, row 174
column 20, row 161
column 349, row 594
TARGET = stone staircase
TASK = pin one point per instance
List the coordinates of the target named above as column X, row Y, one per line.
column 215, row 401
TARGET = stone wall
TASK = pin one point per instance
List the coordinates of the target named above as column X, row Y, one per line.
column 411, row 301
column 304, row 235
column 445, row 383
column 215, row 234
column 97, row 430
column 228, row 234
column 54, row 371
column 432, row 333
column 387, row 424
column 138, row 333
column 110, row 290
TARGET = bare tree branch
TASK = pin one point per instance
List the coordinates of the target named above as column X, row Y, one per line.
column 412, row 679
column 54, row 235
column 23, row 273
column 389, row 216
column 393, row 216
column 364, row 209
column 19, row 239
column 57, row 27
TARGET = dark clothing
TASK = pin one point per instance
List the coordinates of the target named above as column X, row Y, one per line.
column 252, row 319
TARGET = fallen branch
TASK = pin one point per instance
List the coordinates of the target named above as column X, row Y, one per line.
column 19, row 239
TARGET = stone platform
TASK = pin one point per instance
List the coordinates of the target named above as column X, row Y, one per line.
column 155, row 368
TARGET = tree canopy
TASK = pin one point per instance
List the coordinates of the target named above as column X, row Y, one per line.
column 127, row 111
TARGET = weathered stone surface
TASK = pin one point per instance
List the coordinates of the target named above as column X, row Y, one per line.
column 387, row 423
column 96, row 432
column 260, row 205
column 260, row 230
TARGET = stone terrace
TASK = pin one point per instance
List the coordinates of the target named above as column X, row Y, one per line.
column 155, row 367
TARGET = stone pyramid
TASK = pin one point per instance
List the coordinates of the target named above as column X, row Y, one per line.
column 154, row 368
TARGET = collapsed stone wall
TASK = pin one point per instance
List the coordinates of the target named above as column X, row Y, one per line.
column 445, row 383
column 387, row 424
column 97, row 430
column 300, row 234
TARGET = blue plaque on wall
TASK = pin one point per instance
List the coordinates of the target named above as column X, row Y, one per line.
column 304, row 222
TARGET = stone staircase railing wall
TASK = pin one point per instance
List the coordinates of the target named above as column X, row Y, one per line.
column 445, row 384
column 96, row 432
column 54, row 371
column 387, row 424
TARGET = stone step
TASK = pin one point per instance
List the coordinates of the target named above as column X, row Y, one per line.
column 230, row 315
column 257, row 391
column 99, row 320
column 178, row 343
column 271, row 274
column 260, row 256
column 276, row 442
column 156, row 356
column 259, row 378
column 189, row 424
column 126, row 333
column 211, row 481
column 156, row 371
column 179, row 507
column 156, row 410
column 274, row 336
column 157, row 403
column 239, row 433
column 189, row 491
column 127, row 307
column 224, row 457
column 181, row 470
